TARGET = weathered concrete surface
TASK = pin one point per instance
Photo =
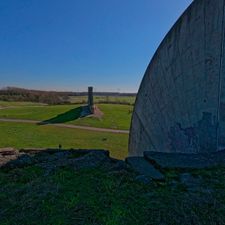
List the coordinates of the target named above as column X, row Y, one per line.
column 180, row 105
column 90, row 99
column 143, row 167
column 164, row 160
column 51, row 159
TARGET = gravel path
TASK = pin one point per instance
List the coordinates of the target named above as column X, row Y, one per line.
column 67, row 126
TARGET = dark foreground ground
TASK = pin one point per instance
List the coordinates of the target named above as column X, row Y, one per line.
column 90, row 188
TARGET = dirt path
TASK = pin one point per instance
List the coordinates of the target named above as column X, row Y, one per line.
column 67, row 126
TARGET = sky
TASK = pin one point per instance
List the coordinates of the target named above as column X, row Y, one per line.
column 68, row 45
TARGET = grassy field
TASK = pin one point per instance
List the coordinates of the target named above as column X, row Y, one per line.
column 20, row 135
column 35, row 113
column 115, row 116
column 9, row 104
column 30, row 196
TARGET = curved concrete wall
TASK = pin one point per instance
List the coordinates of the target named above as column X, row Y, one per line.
column 180, row 106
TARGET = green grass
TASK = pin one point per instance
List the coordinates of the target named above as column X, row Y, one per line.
column 21, row 135
column 115, row 116
column 29, row 196
column 8, row 104
column 35, row 113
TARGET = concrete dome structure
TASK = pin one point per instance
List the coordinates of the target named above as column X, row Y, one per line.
column 180, row 106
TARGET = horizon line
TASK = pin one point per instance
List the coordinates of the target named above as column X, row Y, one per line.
column 51, row 90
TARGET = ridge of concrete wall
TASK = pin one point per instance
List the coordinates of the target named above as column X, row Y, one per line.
column 180, row 106
column 221, row 111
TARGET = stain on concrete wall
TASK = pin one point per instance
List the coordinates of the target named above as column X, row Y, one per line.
column 201, row 137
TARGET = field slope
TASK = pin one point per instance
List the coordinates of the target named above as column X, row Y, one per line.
column 21, row 135
column 114, row 116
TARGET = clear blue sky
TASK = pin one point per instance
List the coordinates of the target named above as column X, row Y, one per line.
column 70, row 44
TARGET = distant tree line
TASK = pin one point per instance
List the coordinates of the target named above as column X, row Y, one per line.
column 20, row 94
column 112, row 94
column 54, row 97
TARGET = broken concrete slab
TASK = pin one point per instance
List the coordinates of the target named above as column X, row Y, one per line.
column 191, row 183
column 162, row 160
column 8, row 151
column 7, row 154
column 12, row 158
column 143, row 179
column 143, row 167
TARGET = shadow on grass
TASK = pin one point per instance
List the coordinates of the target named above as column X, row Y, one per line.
column 68, row 116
